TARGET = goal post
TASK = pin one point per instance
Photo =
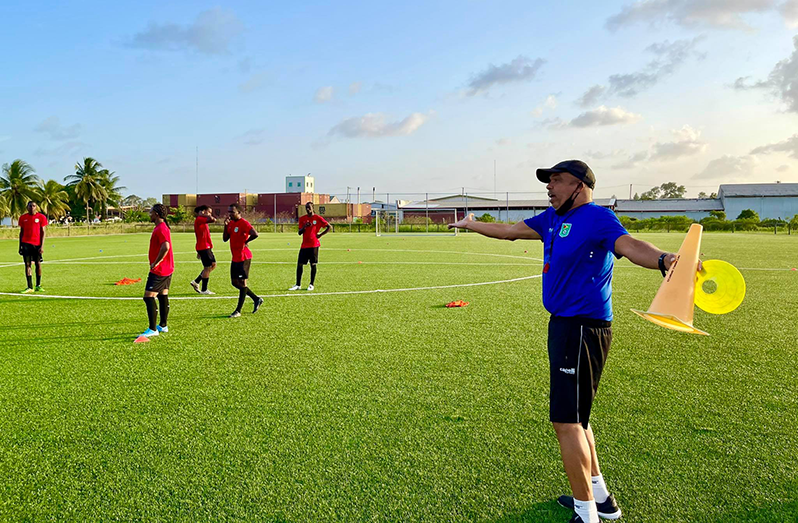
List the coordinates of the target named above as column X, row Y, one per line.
column 418, row 222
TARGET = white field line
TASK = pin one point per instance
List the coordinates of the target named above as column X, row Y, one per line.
column 291, row 295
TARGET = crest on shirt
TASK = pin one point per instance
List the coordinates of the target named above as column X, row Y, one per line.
column 314, row 222
column 235, row 230
column 565, row 230
column 36, row 220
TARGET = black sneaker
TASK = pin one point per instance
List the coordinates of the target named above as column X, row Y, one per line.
column 257, row 305
column 607, row 509
column 576, row 519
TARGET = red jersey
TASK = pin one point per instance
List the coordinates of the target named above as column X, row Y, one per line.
column 239, row 234
column 32, row 225
column 203, row 233
column 309, row 237
column 162, row 234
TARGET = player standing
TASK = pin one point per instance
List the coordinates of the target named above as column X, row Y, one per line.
column 31, row 244
column 204, row 247
column 309, row 226
column 162, row 265
column 240, row 232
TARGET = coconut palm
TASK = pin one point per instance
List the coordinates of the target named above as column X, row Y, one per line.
column 87, row 183
column 17, row 186
column 4, row 211
column 113, row 192
column 53, row 199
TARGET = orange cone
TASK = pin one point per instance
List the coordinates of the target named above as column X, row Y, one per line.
column 141, row 339
column 674, row 303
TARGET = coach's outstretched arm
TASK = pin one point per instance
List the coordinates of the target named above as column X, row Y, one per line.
column 500, row 231
column 645, row 254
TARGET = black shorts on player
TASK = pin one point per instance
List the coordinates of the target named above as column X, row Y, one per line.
column 206, row 257
column 578, row 349
column 30, row 253
column 157, row 283
column 240, row 270
column 308, row 255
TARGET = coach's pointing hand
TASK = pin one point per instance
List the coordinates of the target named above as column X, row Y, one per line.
column 463, row 224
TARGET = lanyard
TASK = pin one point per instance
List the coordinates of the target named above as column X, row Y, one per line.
column 556, row 232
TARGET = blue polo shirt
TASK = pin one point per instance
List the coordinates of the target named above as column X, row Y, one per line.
column 578, row 251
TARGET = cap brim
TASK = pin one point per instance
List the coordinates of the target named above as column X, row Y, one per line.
column 544, row 175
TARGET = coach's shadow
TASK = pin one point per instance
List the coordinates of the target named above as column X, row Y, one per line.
column 539, row 513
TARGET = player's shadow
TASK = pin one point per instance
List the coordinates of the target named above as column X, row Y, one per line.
column 538, row 513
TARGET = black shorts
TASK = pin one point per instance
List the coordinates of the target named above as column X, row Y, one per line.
column 207, row 257
column 240, row 270
column 308, row 255
column 157, row 283
column 30, row 252
column 578, row 349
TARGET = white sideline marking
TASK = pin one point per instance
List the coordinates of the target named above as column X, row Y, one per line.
column 291, row 295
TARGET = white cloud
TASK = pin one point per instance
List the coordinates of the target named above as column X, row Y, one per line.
column 550, row 103
column 62, row 150
column 253, row 136
column 374, row 125
column 687, row 143
column 783, row 168
column 726, row 14
column 782, row 80
column 355, row 87
column 503, row 141
column 632, row 161
column 323, row 94
column 789, row 146
column 598, row 155
column 603, row 116
column 52, row 126
column 728, row 167
column 591, row 96
column 789, row 10
column 211, row 33
column 521, row 69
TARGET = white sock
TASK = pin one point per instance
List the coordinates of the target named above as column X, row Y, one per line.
column 600, row 493
column 586, row 510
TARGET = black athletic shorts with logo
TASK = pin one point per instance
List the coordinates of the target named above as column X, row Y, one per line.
column 157, row 283
column 28, row 251
column 578, row 349
column 240, row 270
column 308, row 255
column 207, row 257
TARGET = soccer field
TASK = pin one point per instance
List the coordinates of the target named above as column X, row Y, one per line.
column 352, row 403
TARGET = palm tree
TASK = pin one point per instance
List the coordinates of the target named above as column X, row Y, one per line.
column 87, row 183
column 113, row 192
column 17, row 186
column 53, row 199
column 4, row 211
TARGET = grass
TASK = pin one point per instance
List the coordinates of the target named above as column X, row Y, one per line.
column 382, row 406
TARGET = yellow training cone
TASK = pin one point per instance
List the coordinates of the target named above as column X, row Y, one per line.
column 720, row 288
column 674, row 303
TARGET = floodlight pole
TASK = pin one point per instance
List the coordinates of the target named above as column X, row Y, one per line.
column 426, row 210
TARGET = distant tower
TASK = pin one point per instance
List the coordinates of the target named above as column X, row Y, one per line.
column 300, row 183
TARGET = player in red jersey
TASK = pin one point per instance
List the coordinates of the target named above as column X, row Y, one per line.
column 31, row 244
column 204, row 247
column 162, row 265
column 240, row 232
column 309, row 226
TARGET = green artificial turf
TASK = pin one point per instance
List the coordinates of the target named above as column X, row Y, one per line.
column 382, row 406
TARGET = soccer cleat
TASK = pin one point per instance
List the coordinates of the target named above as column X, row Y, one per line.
column 295, row 288
column 162, row 329
column 608, row 509
column 195, row 285
column 39, row 288
column 207, row 292
column 149, row 333
column 257, row 305
column 311, row 287
column 27, row 291
column 235, row 314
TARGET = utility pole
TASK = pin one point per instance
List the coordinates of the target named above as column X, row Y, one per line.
column 494, row 178
column 197, row 170
column 630, row 191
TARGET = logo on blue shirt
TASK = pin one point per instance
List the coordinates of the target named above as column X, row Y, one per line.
column 565, row 230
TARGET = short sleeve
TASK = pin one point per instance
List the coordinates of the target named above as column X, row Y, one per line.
column 44, row 221
column 323, row 221
column 608, row 230
column 160, row 235
column 539, row 223
column 247, row 227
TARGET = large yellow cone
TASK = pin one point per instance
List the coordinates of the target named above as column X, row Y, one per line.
column 674, row 303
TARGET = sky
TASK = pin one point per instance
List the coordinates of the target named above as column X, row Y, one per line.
column 404, row 97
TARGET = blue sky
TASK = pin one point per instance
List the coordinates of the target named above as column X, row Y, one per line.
column 405, row 96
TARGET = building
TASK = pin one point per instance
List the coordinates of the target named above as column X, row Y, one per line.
column 295, row 184
column 283, row 207
column 695, row 209
column 769, row 200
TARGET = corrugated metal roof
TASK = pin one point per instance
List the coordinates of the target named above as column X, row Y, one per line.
column 758, row 190
column 496, row 204
column 669, row 205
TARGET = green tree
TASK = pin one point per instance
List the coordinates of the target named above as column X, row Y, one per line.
column 672, row 190
column 720, row 215
column 702, row 195
column 17, row 186
column 137, row 216
column 87, row 182
column 113, row 191
column 794, row 222
column 53, row 199
column 4, row 211
column 651, row 194
column 748, row 214
column 149, row 202
column 486, row 218
column 177, row 214
column 133, row 201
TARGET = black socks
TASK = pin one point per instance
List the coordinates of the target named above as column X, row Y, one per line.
column 152, row 311
column 163, row 301
column 312, row 273
column 205, row 284
column 298, row 275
